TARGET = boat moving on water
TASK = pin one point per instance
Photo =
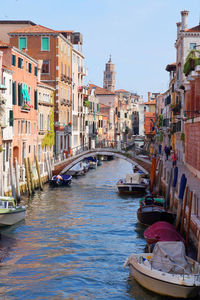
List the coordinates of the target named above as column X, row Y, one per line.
column 10, row 213
column 167, row 271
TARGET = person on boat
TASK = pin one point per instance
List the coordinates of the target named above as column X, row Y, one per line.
column 59, row 177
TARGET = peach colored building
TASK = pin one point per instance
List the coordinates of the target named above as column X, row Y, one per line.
column 55, row 49
column 24, row 100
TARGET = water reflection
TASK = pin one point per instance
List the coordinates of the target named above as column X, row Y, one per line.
column 75, row 240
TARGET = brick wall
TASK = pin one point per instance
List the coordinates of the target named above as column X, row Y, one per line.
column 192, row 143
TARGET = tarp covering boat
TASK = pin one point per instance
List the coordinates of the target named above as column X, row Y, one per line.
column 170, row 257
column 162, row 231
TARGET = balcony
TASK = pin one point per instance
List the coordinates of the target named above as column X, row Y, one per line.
column 176, row 108
column 80, row 89
column 67, row 129
column 26, row 107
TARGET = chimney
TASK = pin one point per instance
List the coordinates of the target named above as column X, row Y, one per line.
column 178, row 28
column 184, row 19
column 149, row 96
column 39, row 69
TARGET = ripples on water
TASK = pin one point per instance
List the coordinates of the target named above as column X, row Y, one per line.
column 74, row 242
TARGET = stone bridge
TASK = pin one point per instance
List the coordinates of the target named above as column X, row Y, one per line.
column 63, row 166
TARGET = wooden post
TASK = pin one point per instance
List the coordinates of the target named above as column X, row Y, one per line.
column 12, row 179
column 27, row 176
column 153, row 173
column 38, row 172
column 17, row 181
column 198, row 254
column 47, row 164
column 167, row 198
column 31, row 175
column 50, row 166
column 188, row 222
column 184, row 207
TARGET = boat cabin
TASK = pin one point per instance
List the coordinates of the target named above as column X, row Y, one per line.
column 7, row 203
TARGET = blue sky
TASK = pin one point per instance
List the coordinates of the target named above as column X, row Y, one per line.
column 140, row 34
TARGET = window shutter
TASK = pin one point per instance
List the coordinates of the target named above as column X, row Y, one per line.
column 30, row 68
column 36, row 70
column 22, row 43
column 35, row 100
column 11, row 121
column 14, row 93
column 45, row 44
column 13, row 60
column 19, row 94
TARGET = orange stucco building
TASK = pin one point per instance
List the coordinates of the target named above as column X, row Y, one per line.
column 24, row 100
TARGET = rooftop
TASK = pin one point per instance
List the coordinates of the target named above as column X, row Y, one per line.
column 99, row 90
column 194, row 29
column 34, row 29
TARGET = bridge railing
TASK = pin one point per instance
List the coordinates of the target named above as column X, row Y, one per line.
column 117, row 145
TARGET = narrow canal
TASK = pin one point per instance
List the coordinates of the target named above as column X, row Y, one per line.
column 74, row 242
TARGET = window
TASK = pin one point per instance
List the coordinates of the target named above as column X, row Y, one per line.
column 14, row 98
column 45, row 44
column 29, row 127
column 61, row 45
column 35, row 126
column 108, row 76
column 30, row 68
column 36, row 71
column 35, row 100
column 18, row 127
column 192, row 46
column 11, row 120
column 20, row 62
column 13, row 60
column 22, row 43
column 46, row 67
column 26, row 127
column 29, row 149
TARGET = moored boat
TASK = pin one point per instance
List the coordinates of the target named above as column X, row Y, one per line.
column 10, row 213
column 77, row 170
column 152, row 210
column 133, row 184
column 60, row 180
column 162, row 232
column 167, row 271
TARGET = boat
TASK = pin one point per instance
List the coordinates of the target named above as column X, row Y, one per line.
column 152, row 210
column 92, row 162
column 162, row 232
column 60, row 180
column 10, row 212
column 77, row 170
column 133, row 184
column 167, row 271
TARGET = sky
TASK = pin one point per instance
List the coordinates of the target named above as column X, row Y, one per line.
column 139, row 34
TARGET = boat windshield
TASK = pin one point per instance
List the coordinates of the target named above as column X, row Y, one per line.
column 10, row 205
column 3, row 204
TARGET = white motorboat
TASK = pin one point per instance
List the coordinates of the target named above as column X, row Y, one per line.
column 133, row 184
column 167, row 271
column 77, row 170
column 10, row 213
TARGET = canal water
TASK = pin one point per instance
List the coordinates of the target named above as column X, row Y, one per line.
column 74, row 241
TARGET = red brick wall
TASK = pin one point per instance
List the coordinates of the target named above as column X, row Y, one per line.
column 192, row 143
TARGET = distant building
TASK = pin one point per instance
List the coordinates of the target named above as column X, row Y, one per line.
column 109, row 76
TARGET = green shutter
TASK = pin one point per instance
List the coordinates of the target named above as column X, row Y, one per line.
column 11, row 121
column 19, row 94
column 13, row 60
column 30, row 68
column 35, row 100
column 14, row 98
column 45, row 44
column 36, row 70
column 22, row 43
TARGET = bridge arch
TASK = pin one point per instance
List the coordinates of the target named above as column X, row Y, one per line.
column 70, row 162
